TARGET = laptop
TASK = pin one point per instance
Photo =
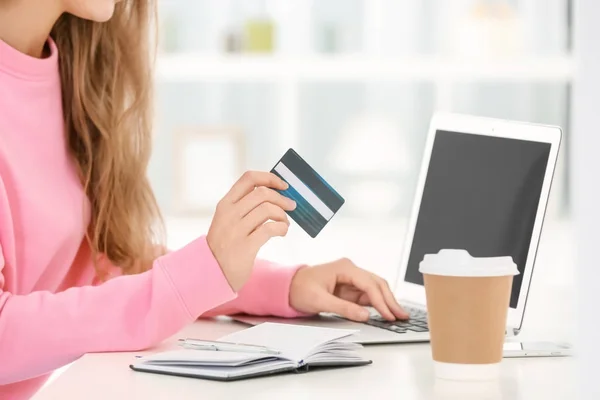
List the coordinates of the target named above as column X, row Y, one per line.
column 483, row 187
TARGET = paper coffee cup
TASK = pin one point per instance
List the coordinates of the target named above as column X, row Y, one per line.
column 467, row 305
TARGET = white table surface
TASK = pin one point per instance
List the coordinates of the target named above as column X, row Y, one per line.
column 398, row 371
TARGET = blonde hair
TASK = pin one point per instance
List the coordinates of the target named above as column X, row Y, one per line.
column 107, row 99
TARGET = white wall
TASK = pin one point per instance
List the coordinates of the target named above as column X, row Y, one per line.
column 585, row 192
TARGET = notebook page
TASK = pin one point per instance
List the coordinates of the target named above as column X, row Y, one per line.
column 202, row 357
column 294, row 341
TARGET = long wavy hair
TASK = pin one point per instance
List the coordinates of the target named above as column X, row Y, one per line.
column 107, row 100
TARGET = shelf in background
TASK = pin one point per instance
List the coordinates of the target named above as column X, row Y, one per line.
column 191, row 67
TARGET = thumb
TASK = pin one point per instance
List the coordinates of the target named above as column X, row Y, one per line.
column 347, row 309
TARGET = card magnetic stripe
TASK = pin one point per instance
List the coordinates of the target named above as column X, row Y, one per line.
column 313, row 180
column 303, row 190
column 305, row 215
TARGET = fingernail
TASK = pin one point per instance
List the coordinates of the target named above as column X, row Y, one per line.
column 292, row 204
column 285, row 185
column 364, row 314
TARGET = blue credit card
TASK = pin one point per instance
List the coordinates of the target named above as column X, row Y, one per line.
column 316, row 201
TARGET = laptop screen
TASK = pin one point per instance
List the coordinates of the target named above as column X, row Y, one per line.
column 481, row 194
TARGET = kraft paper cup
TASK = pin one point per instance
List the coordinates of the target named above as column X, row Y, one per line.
column 467, row 304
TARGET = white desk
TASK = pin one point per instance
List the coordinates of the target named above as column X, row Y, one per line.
column 401, row 372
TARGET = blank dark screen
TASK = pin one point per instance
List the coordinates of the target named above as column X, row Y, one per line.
column 481, row 194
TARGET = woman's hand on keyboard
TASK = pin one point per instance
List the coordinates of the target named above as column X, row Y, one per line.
column 342, row 288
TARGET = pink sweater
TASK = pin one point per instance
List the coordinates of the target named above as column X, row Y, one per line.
column 52, row 308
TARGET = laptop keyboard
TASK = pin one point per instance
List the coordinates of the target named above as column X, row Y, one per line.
column 416, row 323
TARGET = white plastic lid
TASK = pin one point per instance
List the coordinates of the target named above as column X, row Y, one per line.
column 450, row 262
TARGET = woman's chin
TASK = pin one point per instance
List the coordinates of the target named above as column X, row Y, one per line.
column 106, row 14
column 94, row 10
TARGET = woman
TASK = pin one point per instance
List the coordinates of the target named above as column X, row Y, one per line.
column 79, row 267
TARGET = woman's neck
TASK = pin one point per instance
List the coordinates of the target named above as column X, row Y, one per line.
column 26, row 24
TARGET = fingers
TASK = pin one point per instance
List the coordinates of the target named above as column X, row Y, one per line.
column 363, row 300
column 352, row 311
column 251, row 180
column 260, row 196
column 261, row 214
column 267, row 231
column 367, row 283
column 371, row 288
column 390, row 300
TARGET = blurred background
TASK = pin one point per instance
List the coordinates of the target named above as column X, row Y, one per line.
column 351, row 85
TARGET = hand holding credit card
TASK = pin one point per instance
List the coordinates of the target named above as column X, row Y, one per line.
column 316, row 201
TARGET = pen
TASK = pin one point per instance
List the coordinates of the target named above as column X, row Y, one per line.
column 195, row 344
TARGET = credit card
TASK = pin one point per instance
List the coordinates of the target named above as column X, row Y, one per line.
column 316, row 201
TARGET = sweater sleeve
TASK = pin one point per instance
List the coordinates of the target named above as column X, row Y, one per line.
column 267, row 292
column 42, row 331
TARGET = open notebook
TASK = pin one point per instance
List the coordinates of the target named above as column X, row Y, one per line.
column 275, row 348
